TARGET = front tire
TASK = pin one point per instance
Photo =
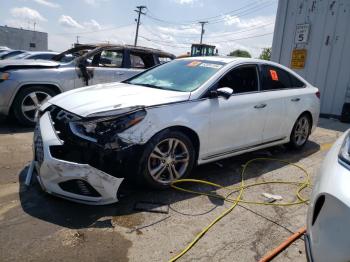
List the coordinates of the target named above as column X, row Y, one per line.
column 300, row 132
column 28, row 101
column 168, row 156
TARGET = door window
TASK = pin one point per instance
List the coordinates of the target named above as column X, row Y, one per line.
column 136, row 61
column 296, row 82
column 108, row 58
column 43, row 56
column 275, row 78
column 242, row 80
column 164, row 59
column 139, row 59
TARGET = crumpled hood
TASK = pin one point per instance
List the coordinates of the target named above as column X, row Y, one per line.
column 9, row 64
column 105, row 97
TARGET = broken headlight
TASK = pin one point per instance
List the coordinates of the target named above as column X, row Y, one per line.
column 344, row 153
column 104, row 130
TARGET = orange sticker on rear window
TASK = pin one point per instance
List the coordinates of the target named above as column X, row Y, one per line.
column 273, row 75
column 194, row 64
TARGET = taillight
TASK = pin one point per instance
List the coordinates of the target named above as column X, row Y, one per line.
column 318, row 94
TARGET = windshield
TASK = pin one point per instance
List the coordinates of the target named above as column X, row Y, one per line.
column 178, row 75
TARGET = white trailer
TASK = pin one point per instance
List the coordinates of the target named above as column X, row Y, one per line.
column 313, row 38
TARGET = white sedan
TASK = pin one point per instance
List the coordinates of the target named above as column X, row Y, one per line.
column 155, row 127
column 328, row 221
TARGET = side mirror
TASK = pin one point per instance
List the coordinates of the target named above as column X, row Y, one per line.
column 226, row 92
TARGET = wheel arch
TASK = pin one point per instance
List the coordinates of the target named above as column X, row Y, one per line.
column 192, row 135
column 55, row 87
column 309, row 115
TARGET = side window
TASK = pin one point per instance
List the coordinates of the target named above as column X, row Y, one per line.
column 139, row 59
column 108, row 58
column 275, row 78
column 242, row 80
column 296, row 83
column 164, row 59
column 43, row 56
column 136, row 61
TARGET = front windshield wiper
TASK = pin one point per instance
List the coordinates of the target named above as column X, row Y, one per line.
column 146, row 85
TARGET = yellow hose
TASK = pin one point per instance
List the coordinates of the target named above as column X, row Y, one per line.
column 301, row 186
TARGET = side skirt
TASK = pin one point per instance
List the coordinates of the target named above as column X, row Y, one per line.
column 239, row 151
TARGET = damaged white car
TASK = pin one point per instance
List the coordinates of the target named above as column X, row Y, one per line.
column 156, row 126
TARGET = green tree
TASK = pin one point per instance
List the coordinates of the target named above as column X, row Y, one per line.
column 266, row 54
column 240, row 53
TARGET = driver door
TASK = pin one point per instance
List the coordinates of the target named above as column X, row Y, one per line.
column 237, row 123
column 106, row 67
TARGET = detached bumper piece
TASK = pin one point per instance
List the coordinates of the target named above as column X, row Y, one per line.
column 75, row 181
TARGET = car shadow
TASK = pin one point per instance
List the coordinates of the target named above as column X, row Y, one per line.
column 41, row 205
column 10, row 126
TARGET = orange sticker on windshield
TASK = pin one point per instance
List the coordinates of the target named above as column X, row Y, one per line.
column 273, row 75
column 194, row 64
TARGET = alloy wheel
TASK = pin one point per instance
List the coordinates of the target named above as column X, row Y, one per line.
column 32, row 102
column 302, row 130
column 168, row 161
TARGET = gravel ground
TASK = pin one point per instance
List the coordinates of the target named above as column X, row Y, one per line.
column 37, row 227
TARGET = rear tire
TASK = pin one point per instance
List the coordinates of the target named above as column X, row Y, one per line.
column 28, row 101
column 168, row 156
column 300, row 132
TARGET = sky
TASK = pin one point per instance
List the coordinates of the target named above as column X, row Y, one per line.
column 170, row 25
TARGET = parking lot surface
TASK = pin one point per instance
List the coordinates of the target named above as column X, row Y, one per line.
column 35, row 226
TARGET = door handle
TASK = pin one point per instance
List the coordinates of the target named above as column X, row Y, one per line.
column 295, row 99
column 260, row 106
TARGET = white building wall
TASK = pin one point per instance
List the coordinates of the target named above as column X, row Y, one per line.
column 328, row 49
column 22, row 39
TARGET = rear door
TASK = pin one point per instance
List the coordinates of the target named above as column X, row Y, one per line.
column 281, row 98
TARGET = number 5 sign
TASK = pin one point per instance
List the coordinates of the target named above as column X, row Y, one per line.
column 302, row 33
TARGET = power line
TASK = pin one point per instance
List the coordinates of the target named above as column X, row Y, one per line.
column 243, row 13
column 139, row 11
column 214, row 42
column 93, row 31
column 242, row 38
column 247, row 9
column 215, row 35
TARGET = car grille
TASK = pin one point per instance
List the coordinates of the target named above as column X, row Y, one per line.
column 38, row 145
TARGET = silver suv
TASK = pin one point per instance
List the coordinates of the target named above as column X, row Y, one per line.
column 27, row 84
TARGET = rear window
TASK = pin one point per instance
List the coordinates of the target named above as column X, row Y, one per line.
column 275, row 78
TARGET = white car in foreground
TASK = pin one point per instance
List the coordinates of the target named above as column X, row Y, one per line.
column 328, row 221
column 156, row 126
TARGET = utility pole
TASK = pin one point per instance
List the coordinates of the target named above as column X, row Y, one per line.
column 202, row 31
column 78, row 39
column 139, row 11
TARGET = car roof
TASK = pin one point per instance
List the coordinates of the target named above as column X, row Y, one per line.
column 226, row 59
column 97, row 47
column 233, row 60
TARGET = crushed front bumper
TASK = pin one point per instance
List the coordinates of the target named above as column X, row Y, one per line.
column 74, row 181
